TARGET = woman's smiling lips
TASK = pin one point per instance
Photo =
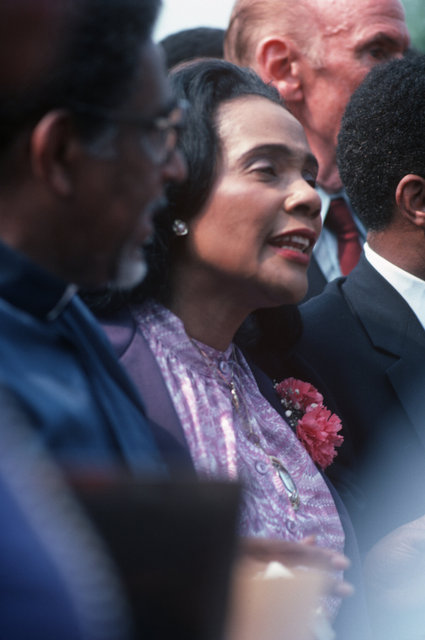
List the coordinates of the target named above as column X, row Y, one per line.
column 295, row 245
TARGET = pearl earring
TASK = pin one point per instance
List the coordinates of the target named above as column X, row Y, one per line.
column 180, row 228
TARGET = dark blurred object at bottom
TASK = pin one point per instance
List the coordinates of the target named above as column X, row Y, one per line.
column 174, row 545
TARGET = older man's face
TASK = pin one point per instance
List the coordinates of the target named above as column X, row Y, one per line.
column 357, row 36
column 123, row 189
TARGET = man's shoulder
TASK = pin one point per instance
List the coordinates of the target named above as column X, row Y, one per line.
column 332, row 325
column 326, row 307
column 342, row 298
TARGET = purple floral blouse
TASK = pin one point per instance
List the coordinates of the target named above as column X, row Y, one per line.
column 221, row 438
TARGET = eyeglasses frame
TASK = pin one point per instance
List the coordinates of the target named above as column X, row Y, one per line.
column 173, row 121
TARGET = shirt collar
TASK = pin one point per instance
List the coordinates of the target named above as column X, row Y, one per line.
column 326, row 198
column 410, row 287
column 27, row 286
column 172, row 335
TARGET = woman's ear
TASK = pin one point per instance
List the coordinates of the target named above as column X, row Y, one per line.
column 410, row 199
column 276, row 62
column 53, row 149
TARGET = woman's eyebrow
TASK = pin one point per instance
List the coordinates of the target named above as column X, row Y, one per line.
column 273, row 150
column 277, row 151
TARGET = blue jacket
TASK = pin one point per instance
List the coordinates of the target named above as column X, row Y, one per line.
column 59, row 365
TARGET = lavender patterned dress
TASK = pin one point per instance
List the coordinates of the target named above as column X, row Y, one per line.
column 220, row 437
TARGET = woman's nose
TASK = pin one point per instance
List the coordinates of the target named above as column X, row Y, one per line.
column 303, row 200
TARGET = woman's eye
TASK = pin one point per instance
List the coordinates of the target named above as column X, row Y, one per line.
column 265, row 169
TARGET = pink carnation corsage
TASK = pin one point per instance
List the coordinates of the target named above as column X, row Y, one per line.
column 316, row 427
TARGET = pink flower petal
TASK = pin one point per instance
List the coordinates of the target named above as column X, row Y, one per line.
column 318, row 428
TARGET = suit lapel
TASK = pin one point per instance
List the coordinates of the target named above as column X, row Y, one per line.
column 393, row 328
column 316, row 280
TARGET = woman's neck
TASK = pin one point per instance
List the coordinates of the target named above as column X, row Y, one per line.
column 208, row 316
column 205, row 323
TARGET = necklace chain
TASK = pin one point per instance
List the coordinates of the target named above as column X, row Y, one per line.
column 214, row 368
column 284, row 475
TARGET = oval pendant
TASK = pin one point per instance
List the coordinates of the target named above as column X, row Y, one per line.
column 287, row 482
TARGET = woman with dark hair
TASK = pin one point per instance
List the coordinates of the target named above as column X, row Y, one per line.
column 235, row 237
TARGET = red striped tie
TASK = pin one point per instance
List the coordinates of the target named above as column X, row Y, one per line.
column 340, row 221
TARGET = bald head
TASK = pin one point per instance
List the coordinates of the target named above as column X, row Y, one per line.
column 306, row 23
column 251, row 20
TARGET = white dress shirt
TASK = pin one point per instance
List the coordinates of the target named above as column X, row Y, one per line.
column 411, row 288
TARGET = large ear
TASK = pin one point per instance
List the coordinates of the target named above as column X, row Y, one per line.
column 277, row 62
column 410, row 199
column 54, row 147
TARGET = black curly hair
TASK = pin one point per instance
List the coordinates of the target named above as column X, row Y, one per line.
column 382, row 138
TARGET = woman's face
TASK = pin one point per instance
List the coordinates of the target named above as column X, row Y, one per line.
column 254, row 237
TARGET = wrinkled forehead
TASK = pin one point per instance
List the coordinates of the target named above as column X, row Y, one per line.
column 338, row 15
column 363, row 23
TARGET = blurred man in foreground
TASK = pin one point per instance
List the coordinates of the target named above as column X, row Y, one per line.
column 87, row 134
column 86, row 147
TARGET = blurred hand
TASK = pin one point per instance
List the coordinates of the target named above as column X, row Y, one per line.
column 284, row 589
column 395, row 582
column 305, row 554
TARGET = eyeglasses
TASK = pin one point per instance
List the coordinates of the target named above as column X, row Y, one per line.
column 160, row 134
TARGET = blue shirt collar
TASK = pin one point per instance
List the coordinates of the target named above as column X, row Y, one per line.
column 27, row 286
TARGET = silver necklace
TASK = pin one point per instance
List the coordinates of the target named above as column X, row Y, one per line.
column 213, row 367
column 284, row 475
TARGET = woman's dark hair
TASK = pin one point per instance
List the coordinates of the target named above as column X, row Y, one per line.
column 205, row 84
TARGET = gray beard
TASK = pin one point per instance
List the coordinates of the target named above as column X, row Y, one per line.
column 132, row 269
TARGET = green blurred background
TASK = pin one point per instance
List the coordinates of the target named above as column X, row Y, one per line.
column 415, row 17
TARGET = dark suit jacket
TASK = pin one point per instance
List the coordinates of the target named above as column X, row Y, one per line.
column 316, row 280
column 369, row 350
